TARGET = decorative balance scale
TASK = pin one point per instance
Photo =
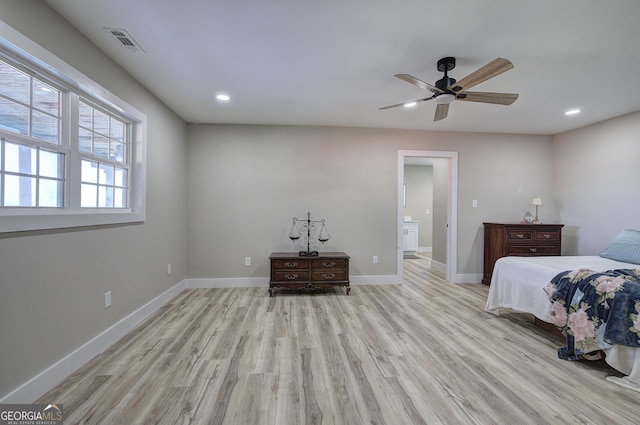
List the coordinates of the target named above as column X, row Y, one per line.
column 309, row 227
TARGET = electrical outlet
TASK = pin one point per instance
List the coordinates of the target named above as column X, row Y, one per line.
column 107, row 299
column 247, row 261
column 168, row 269
column 375, row 259
column 474, row 203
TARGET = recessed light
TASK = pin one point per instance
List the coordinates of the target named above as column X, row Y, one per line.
column 572, row 112
column 223, row 97
column 410, row 104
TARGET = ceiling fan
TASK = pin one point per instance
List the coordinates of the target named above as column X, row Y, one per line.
column 447, row 89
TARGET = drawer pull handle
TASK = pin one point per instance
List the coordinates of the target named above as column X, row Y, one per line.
column 533, row 249
column 547, row 236
column 328, row 276
column 519, row 236
column 291, row 264
column 331, row 264
column 291, row 276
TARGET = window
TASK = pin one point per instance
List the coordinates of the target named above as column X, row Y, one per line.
column 103, row 147
column 31, row 176
column 68, row 157
column 31, row 167
column 29, row 106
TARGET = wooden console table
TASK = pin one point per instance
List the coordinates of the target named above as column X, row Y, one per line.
column 325, row 270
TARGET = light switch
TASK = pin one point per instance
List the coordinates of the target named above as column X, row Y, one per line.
column 474, row 203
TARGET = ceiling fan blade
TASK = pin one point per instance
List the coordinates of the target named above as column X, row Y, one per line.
column 490, row 70
column 441, row 112
column 484, row 97
column 404, row 103
column 418, row 83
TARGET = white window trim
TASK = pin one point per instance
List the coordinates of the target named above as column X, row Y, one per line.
column 25, row 219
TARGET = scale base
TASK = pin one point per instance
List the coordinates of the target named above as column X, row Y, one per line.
column 308, row 253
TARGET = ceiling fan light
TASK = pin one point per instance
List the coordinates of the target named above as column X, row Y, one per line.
column 444, row 98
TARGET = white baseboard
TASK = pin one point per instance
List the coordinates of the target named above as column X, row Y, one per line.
column 459, row 278
column 439, row 267
column 230, row 282
column 35, row 387
column 376, row 280
column 469, row 278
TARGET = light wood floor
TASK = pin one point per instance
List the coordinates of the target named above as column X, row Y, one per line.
column 423, row 352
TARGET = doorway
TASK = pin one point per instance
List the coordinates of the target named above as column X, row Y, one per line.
column 447, row 166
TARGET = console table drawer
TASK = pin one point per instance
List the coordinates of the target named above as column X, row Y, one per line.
column 290, row 275
column 290, row 264
column 329, row 264
column 329, row 275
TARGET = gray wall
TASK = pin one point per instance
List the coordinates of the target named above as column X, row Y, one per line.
column 246, row 182
column 597, row 175
column 419, row 181
column 441, row 177
column 52, row 283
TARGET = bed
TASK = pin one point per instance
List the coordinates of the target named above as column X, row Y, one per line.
column 518, row 284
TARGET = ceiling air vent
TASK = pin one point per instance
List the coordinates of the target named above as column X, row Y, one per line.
column 124, row 39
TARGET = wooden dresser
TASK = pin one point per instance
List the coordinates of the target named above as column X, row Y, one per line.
column 504, row 239
column 290, row 270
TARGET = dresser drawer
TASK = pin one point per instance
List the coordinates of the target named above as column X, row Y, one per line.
column 547, row 235
column 328, row 275
column 328, row 264
column 290, row 264
column 519, row 235
column 289, row 275
column 533, row 250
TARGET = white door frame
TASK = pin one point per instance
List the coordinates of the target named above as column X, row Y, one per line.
column 452, row 209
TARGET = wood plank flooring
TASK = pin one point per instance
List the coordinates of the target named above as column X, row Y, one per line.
column 423, row 352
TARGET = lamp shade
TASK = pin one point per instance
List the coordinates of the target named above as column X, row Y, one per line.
column 536, row 201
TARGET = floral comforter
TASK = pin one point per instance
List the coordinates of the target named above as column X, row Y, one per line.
column 595, row 309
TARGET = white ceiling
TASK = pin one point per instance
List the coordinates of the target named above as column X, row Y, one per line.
column 331, row 62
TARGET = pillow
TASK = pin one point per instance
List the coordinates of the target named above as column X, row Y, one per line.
column 625, row 247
